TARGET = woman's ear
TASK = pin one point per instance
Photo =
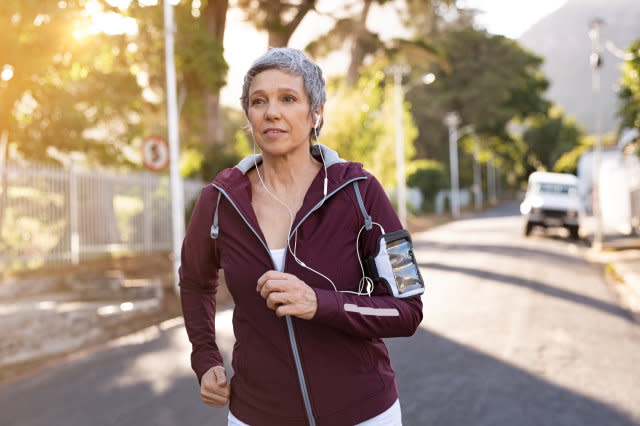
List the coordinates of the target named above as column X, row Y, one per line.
column 317, row 117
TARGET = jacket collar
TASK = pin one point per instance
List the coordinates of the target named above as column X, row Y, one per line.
column 319, row 151
column 237, row 187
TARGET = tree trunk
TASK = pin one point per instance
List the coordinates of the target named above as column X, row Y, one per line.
column 215, row 14
column 279, row 36
column 357, row 49
column 278, row 39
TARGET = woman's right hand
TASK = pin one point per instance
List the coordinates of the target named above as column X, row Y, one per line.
column 214, row 388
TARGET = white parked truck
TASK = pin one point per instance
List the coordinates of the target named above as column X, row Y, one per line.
column 552, row 200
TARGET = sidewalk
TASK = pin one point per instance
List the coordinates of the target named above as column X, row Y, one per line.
column 620, row 258
column 48, row 315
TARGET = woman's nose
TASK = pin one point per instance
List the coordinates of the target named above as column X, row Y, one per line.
column 272, row 111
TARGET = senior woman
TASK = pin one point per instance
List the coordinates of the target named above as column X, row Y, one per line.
column 290, row 228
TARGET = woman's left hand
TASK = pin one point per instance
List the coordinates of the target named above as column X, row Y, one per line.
column 286, row 294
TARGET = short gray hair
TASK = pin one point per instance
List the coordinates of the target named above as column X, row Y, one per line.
column 295, row 62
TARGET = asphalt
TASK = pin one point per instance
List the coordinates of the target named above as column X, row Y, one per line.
column 48, row 324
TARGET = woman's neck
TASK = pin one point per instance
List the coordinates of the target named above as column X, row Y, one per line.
column 286, row 173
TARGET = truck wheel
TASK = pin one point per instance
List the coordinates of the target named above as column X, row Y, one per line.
column 527, row 229
column 574, row 232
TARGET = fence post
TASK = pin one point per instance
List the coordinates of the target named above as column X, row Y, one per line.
column 73, row 215
column 148, row 212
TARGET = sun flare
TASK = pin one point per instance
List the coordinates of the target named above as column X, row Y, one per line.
column 112, row 23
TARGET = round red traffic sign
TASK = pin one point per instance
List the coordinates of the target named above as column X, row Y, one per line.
column 155, row 153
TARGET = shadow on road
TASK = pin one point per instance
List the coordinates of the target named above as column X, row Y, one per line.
column 442, row 382
column 503, row 250
column 540, row 287
column 147, row 383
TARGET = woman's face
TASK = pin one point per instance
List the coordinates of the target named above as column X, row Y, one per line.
column 279, row 112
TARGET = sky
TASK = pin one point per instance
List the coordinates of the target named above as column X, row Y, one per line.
column 243, row 44
column 511, row 18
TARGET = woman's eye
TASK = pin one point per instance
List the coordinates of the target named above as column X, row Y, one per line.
column 257, row 101
column 289, row 98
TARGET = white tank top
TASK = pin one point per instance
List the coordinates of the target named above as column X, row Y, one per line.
column 278, row 257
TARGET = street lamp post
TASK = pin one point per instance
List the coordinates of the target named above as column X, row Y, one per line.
column 477, row 175
column 596, row 64
column 398, row 96
column 452, row 120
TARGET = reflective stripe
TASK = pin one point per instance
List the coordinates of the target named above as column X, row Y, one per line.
column 365, row 310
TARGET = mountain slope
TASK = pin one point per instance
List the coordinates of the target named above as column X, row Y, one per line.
column 562, row 40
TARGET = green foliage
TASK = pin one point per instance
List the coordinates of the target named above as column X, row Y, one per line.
column 568, row 162
column 629, row 93
column 360, row 125
column 94, row 95
column 429, row 176
column 492, row 80
column 191, row 161
column 548, row 138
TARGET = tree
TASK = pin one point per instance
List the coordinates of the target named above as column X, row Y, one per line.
column 200, row 64
column 79, row 90
column 279, row 19
column 491, row 81
column 362, row 128
column 215, row 13
column 548, row 138
column 365, row 43
column 54, row 78
column 629, row 93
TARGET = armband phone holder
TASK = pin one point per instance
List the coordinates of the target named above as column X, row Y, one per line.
column 395, row 264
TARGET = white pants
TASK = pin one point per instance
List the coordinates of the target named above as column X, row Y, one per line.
column 389, row 417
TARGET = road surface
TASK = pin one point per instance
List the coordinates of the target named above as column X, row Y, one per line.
column 517, row 331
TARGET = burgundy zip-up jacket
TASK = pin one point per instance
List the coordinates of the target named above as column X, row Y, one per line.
column 331, row 370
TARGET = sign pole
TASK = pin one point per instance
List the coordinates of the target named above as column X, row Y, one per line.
column 177, row 192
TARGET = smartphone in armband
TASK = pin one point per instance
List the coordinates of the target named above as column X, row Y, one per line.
column 395, row 265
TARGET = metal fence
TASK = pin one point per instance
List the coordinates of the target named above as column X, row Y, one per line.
column 53, row 215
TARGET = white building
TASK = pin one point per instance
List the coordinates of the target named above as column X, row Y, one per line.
column 619, row 184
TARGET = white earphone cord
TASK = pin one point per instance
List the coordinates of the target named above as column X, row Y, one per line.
column 364, row 279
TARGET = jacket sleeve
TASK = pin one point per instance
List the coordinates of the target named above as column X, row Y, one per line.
column 380, row 315
column 199, row 283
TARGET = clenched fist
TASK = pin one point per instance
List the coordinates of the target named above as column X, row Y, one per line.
column 214, row 388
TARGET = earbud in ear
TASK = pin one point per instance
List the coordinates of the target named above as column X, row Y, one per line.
column 318, row 117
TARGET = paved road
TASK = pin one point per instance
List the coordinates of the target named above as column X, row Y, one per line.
column 517, row 331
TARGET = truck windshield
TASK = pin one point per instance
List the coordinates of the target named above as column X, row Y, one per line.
column 556, row 188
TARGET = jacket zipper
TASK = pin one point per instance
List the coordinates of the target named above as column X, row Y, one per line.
column 292, row 338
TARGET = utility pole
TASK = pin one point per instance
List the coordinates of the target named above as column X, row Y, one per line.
column 398, row 71
column 177, row 191
column 452, row 120
column 596, row 64
column 477, row 176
